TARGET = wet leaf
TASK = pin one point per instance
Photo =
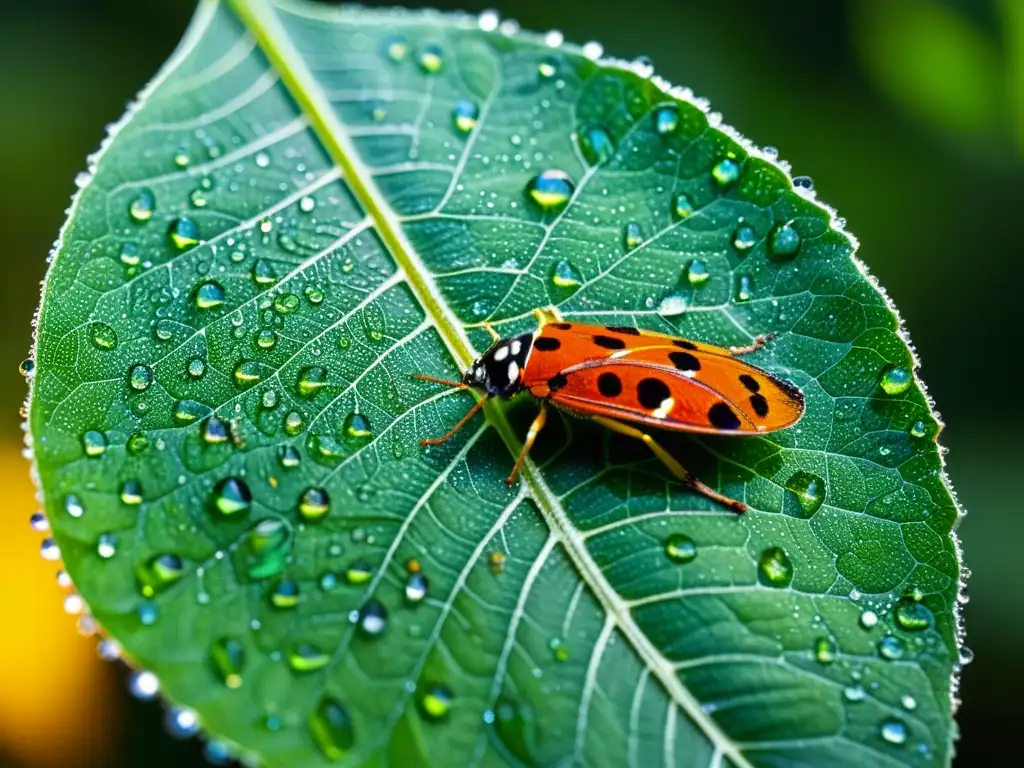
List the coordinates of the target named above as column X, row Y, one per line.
column 310, row 205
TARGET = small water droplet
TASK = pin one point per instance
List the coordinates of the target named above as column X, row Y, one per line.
column 559, row 652
column 358, row 572
column 431, row 59
column 825, row 650
column 73, row 506
column 215, row 431
column 918, row 429
column 565, row 275
column 744, row 238
column 94, row 443
column 357, row 428
column 912, row 615
column 27, row 368
column 697, row 272
column 331, row 729
column 435, row 701
column 784, row 242
column 896, row 380
column 596, row 144
column 289, row 456
column 158, row 573
column 666, row 119
column 682, row 207
column 314, row 503
column 293, row 423
column 38, row 522
column 775, row 569
column 209, row 295
column 184, row 233
column 285, row 594
column 743, row 288
column 966, row 656
column 49, row 550
column 131, row 493
column 909, row 702
column 547, row 67
column 855, row 693
column 102, row 336
column 416, row 587
column 248, row 373
column 894, row 732
column 311, row 380
column 672, row 304
column 726, row 172
column 286, row 303
column 143, row 685
column 803, row 182
column 680, row 548
column 496, row 560
column 890, row 647
column 106, row 545
column 163, row 330
column 130, row 254
column 632, row 237
column 227, row 655
column 142, row 207
column 181, row 722
column 307, row 657
column 198, row 197
column 188, row 411
column 869, row 619
column 232, row 497
column 809, row 491
column 395, row 48
column 551, row 190
column 464, row 115
column 148, row 614
column 140, row 377
column 263, row 273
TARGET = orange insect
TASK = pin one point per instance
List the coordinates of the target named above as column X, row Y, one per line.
column 616, row 374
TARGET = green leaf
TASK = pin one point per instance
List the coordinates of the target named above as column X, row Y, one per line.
column 309, row 205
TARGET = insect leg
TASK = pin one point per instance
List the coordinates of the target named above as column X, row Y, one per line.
column 462, row 422
column 759, row 341
column 673, row 466
column 495, row 336
column 531, row 436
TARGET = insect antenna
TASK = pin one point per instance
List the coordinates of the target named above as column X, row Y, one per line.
column 446, row 382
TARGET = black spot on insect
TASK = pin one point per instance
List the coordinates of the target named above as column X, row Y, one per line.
column 623, row 329
column 609, row 385
column 749, row 382
column 652, row 392
column 557, row 381
column 759, row 404
column 609, row 342
column 684, row 361
column 546, row 344
column 562, row 326
column 684, row 344
column 721, row 416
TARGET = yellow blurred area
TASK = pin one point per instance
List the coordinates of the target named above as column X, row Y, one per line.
column 55, row 702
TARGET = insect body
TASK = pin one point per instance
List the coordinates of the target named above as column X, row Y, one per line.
column 627, row 380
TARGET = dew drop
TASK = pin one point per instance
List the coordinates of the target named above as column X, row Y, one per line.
column 775, row 569
column 289, row 456
column 825, row 650
column 416, row 587
column 431, row 59
column 94, row 443
column 232, row 497
column 744, row 238
column 158, row 573
column 49, row 550
column 558, row 650
column 27, row 368
column 632, row 237
column 357, row 428
column 144, row 685
column 266, row 549
column 784, row 242
column 909, row 702
column 372, row 618
column 547, row 67
column 39, row 522
column 596, row 145
column 266, row 339
column 435, row 701
column 286, row 303
column 263, row 273
column 314, row 503
column 673, row 304
column 680, row 548
column 331, row 728
column 809, row 491
column 682, row 207
column 918, row 429
column 803, row 182
column 666, row 119
column 293, row 423
column 359, row 572
column 285, row 594
column 896, row 380
column 869, row 619
column 464, row 115
column 855, row 693
column 565, row 275
column 209, row 295
column 248, row 373
column 198, row 198
column 396, row 48
column 890, row 647
column 181, row 722
column 163, row 330
column 140, row 377
column 130, row 255
column 912, row 615
column 188, row 411
column 311, row 380
column 894, row 732
column 138, row 444
column 227, row 656
column 743, row 288
column 102, row 336
column 73, row 506
column 131, row 493
column 697, row 272
column 106, row 545
column 215, row 431
column 142, row 207
column 726, row 172
column 551, row 190
column 184, row 233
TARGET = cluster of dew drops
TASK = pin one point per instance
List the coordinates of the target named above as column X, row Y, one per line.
column 267, row 546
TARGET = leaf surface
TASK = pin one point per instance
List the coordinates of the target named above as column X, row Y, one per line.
column 308, row 206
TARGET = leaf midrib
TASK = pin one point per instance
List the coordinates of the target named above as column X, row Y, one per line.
column 260, row 18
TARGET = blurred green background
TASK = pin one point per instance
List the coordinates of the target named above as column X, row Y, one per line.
column 908, row 114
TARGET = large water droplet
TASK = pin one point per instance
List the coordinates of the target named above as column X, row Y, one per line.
column 184, row 233
column 314, row 503
column 266, row 549
column 869, row 619
column 227, row 655
column 551, row 190
column 809, row 491
column 215, row 431
column 286, row 303
column 896, row 380
column 666, row 119
column 464, row 115
column 680, row 548
column 142, row 207
column 306, row 657
column 357, row 428
column 140, row 377
column 331, row 729
column 158, row 573
column 372, row 618
column 913, row 615
column 784, row 241
column 263, row 273
column 726, row 172
column 102, row 336
column 285, row 594
column 311, row 380
column 431, row 59
column 894, row 732
column 596, row 144
column 188, row 411
column 672, row 304
column 131, row 493
column 775, row 569
column 289, row 456
column 565, row 275
column 248, row 373
column 209, row 295
column 94, row 443
column 232, row 497
column 435, row 701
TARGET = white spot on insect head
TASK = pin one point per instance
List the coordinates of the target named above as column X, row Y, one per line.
column 663, row 410
column 513, row 372
column 501, row 353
